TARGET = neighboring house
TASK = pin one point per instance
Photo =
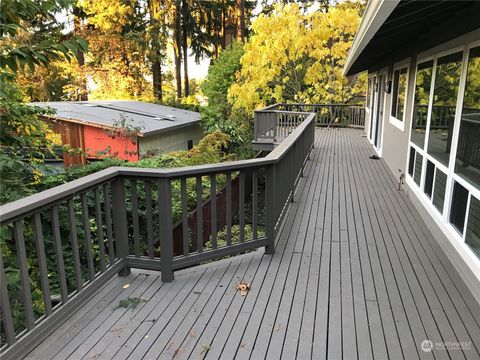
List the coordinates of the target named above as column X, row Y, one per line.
column 93, row 126
column 423, row 112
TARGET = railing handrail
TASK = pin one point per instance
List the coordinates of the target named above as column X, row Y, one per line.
column 31, row 203
column 107, row 206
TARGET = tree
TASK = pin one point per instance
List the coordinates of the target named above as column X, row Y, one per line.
column 221, row 75
column 218, row 114
column 26, row 140
column 297, row 57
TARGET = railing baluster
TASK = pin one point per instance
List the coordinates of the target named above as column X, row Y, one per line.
column 270, row 209
column 148, row 202
column 24, row 276
column 88, row 238
column 183, row 190
column 241, row 207
column 98, row 219
column 120, row 222
column 136, row 227
column 165, row 221
column 59, row 255
column 199, row 215
column 108, row 220
column 5, row 304
column 255, row 203
column 42, row 262
column 213, row 208
column 74, row 243
column 229, row 207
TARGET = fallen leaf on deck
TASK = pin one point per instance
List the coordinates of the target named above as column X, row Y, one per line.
column 205, row 349
column 244, row 287
column 126, row 286
column 277, row 328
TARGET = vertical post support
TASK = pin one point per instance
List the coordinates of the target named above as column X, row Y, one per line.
column 166, row 237
column 120, row 228
column 270, row 211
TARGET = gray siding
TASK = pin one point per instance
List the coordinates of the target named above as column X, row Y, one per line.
column 395, row 141
column 174, row 140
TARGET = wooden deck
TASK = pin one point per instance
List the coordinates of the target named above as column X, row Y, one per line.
column 356, row 274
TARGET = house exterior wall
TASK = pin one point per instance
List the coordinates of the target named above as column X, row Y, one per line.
column 99, row 140
column 173, row 140
column 395, row 149
column 72, row 135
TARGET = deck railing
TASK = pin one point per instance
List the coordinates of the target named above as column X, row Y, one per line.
column 68, row 241
column 275, row 122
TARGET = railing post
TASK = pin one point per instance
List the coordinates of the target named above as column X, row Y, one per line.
column 120, row 228
column 270, row 216
column 166, row 236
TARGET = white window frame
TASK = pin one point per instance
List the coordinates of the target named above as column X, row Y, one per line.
column 399, row 123
column 443, row 219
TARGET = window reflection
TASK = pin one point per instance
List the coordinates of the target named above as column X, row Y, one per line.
column 399, row 90
column 458, row 207
column 420, row 111
column 417, row 176
column 369, row 93
column 472, row 236
column 447, row 79
column 439, row 190
column 467, row 162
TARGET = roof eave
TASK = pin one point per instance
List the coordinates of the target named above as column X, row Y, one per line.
column 171, row 128
column 376, row 13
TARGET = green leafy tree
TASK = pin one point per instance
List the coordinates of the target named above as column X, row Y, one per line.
column 25, row 139
column 218, row 114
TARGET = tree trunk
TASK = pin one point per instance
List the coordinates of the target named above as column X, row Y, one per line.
column 155, row 51
column 157, row 80
column 186, row 86
column 77, row 25
column 241, row 20
column 177, row 44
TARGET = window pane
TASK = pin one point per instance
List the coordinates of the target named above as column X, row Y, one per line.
column 472, row 236
column 398, row 95
column 447, row 79
column 467, row 162
column 411, row 161
column 418, row 169
column 422, row 93
column 429, row 178
column 369, row 93
column 439, row 190
column 459, row 206
column 396, row 76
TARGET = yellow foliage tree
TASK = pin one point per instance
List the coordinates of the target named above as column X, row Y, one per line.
column 298, row 57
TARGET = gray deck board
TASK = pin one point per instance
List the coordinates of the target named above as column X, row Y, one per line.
column 355, row 274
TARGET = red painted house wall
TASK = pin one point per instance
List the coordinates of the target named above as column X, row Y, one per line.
column 98, row 140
